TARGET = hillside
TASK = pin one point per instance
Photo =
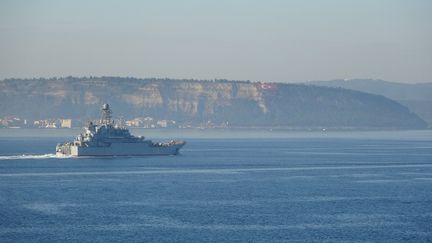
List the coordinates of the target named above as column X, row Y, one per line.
column 417, row 97
column 239, row 104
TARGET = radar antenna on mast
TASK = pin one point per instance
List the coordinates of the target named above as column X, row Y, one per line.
column 106, row 115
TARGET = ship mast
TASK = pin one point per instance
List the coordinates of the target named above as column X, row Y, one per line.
column 106, row 115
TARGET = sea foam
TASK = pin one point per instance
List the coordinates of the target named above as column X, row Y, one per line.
column 33, row 156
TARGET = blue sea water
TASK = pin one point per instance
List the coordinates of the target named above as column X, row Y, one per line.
column 297, row 188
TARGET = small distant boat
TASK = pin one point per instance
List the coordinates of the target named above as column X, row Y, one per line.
column 108, row 139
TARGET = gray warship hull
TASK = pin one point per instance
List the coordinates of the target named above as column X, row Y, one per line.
column 120, row 149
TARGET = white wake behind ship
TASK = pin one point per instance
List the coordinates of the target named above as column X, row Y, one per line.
column 108, row 139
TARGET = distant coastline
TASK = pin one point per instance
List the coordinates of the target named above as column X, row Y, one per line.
column 169, row 103
column 162, row 134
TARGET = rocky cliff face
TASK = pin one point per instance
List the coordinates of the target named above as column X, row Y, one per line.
column 236, row 103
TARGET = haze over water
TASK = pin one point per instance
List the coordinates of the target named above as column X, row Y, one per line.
column 305, row 187
column 226, row 185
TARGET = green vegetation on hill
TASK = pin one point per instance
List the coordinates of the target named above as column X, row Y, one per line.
column 417, row 97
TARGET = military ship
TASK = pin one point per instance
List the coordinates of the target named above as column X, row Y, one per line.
column 108, row 139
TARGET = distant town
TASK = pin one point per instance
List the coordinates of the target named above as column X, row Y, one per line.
column 138, row 122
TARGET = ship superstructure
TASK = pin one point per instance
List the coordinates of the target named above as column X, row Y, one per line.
column 108, row 139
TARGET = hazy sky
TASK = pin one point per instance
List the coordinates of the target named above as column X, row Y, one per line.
column 265, row 40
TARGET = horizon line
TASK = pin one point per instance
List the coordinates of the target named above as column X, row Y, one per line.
column 212, row 80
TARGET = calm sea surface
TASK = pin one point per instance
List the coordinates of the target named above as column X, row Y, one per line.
column 249, row 187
